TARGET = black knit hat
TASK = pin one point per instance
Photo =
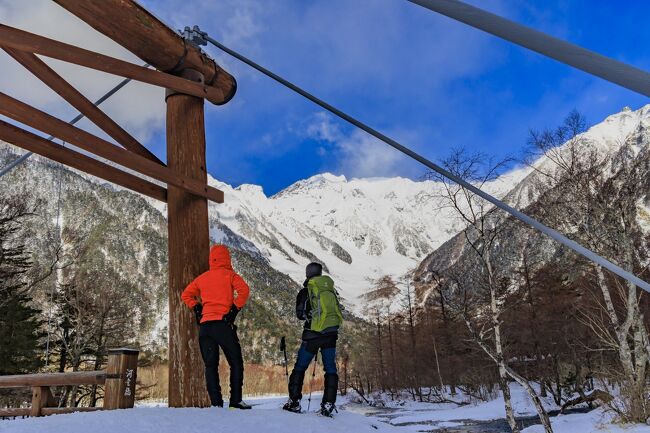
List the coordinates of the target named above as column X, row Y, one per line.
column 314, row 270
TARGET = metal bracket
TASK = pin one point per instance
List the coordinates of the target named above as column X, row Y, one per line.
column 194, row 36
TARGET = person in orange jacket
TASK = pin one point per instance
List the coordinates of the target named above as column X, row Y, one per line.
column 222, row 293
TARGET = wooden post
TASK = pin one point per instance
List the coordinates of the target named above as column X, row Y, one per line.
column 189, row 244
column 121, row 375
column 41, row 397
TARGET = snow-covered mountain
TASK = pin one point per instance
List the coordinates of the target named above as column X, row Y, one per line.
column 360, row 229
column 621, row 140
column 605, row 138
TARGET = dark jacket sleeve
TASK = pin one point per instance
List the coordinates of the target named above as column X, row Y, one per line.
column 302, row 304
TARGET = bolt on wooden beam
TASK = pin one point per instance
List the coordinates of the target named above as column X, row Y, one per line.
column 139, row 31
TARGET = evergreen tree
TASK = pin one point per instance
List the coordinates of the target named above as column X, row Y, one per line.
column 19, row 321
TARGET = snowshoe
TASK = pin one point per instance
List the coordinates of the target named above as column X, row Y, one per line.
column 326, row 409
column 292, row 406
column 240, row 405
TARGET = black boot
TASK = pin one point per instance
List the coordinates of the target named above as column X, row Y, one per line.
column 292, row 406
column 329, row 394
column 240, row 405
column 326, row 409
column 331, row 388
column 295, row 385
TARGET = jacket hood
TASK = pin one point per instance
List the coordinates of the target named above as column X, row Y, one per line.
column 220, row 257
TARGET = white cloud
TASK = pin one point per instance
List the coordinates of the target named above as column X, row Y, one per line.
column 361, row 155
column 323, row 128
column 139, row 108
column 356, row 154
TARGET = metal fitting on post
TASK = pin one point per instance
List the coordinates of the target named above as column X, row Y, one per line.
column 194, row 36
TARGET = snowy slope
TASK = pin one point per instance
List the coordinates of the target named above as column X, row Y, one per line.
column 360, row 229
column 606, row 138
column 618, row 140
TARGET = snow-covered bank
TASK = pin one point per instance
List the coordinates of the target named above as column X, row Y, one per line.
column 266, row 416
column 595, row 421
column 410, row 416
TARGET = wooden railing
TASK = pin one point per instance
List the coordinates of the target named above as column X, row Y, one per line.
column 118, row 378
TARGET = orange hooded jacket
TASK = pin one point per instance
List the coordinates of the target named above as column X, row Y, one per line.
column 219, row 288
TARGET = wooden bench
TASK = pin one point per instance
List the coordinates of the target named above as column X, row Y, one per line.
column 119, row 380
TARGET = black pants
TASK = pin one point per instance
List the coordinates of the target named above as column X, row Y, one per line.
column 212, row 336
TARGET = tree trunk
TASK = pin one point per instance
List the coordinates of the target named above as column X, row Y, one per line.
column 507, row 400
column 498, row 347
column 541, row 412
column 392, row 359
column 380, row 352
column 64, row 350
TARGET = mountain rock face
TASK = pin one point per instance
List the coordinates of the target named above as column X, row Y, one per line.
column 129, row 233
column 360, row 229
column 618, row 140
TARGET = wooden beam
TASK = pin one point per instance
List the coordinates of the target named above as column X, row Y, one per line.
column 41, row 121
column 188, row 243
column 55, row 82
column 61, row 410
column 137, row 30
column 53, row 379
column 24, row 41
column 26, row 140
column 14, row 411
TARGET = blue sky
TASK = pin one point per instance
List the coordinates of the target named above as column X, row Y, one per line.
column 419, row 77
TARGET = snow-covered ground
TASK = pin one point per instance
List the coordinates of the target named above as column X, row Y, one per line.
column 266, row 416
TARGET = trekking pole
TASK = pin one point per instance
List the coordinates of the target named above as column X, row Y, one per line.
column 311, row 382
column 283, row 348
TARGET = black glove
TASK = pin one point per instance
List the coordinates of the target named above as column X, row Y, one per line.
column 232, row 315
column 198, row 312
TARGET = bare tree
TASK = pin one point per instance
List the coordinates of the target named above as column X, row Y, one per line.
column 593, row 197
column 481, row 290
column 378, row 302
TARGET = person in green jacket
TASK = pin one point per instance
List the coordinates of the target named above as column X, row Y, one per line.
column 318, row 306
